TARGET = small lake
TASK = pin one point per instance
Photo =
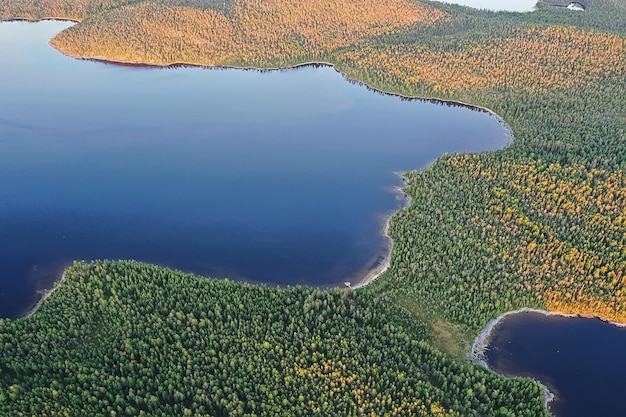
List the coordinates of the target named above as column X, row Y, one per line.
column 497, row 5
column 281, row 177
column 581, row 360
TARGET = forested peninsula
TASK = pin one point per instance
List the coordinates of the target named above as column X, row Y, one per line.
column 541, row 223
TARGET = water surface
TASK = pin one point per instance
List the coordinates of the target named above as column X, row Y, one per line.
column 282, row 177
column 581, row 360
column 497, row 5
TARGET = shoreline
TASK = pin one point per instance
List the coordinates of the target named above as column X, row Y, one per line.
column 482, row 341
column 314, row 64
column 46, row 294
column 175, row 64
column 372, row 274
column 369, row 276
column 365, row 276
column 43, row 19
column 362, row 279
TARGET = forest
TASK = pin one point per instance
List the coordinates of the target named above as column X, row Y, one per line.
column 125, row 338
column 541, row 223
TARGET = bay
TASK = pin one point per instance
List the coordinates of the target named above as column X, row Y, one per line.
column 281, row 177
column 580, row 360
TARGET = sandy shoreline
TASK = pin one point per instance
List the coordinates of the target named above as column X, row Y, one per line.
column 374, row 273
column 45, row 295
column 382, row 267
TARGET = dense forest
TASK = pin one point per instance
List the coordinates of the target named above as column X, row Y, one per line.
column 541, row 223
column 132, row 339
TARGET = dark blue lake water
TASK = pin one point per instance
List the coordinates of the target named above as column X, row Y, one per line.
column 581, row 360
column 282, row 177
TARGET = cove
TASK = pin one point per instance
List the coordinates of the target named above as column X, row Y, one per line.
column 580, row 360
column 281, row 177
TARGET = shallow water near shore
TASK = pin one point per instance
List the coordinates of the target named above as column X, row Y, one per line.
column 580, row 360
column 282, row 177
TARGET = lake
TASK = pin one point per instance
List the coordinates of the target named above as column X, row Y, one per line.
column 497, row 5
column 281, row 177
column 581, row 360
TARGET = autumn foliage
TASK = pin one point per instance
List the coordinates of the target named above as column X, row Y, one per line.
column 564, row 229
column 74, row 9
column 286, row 32
column 535, row 59
column 254, row 32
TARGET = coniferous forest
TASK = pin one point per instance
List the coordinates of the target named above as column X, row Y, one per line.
column 541, row 223
column 124, row 338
